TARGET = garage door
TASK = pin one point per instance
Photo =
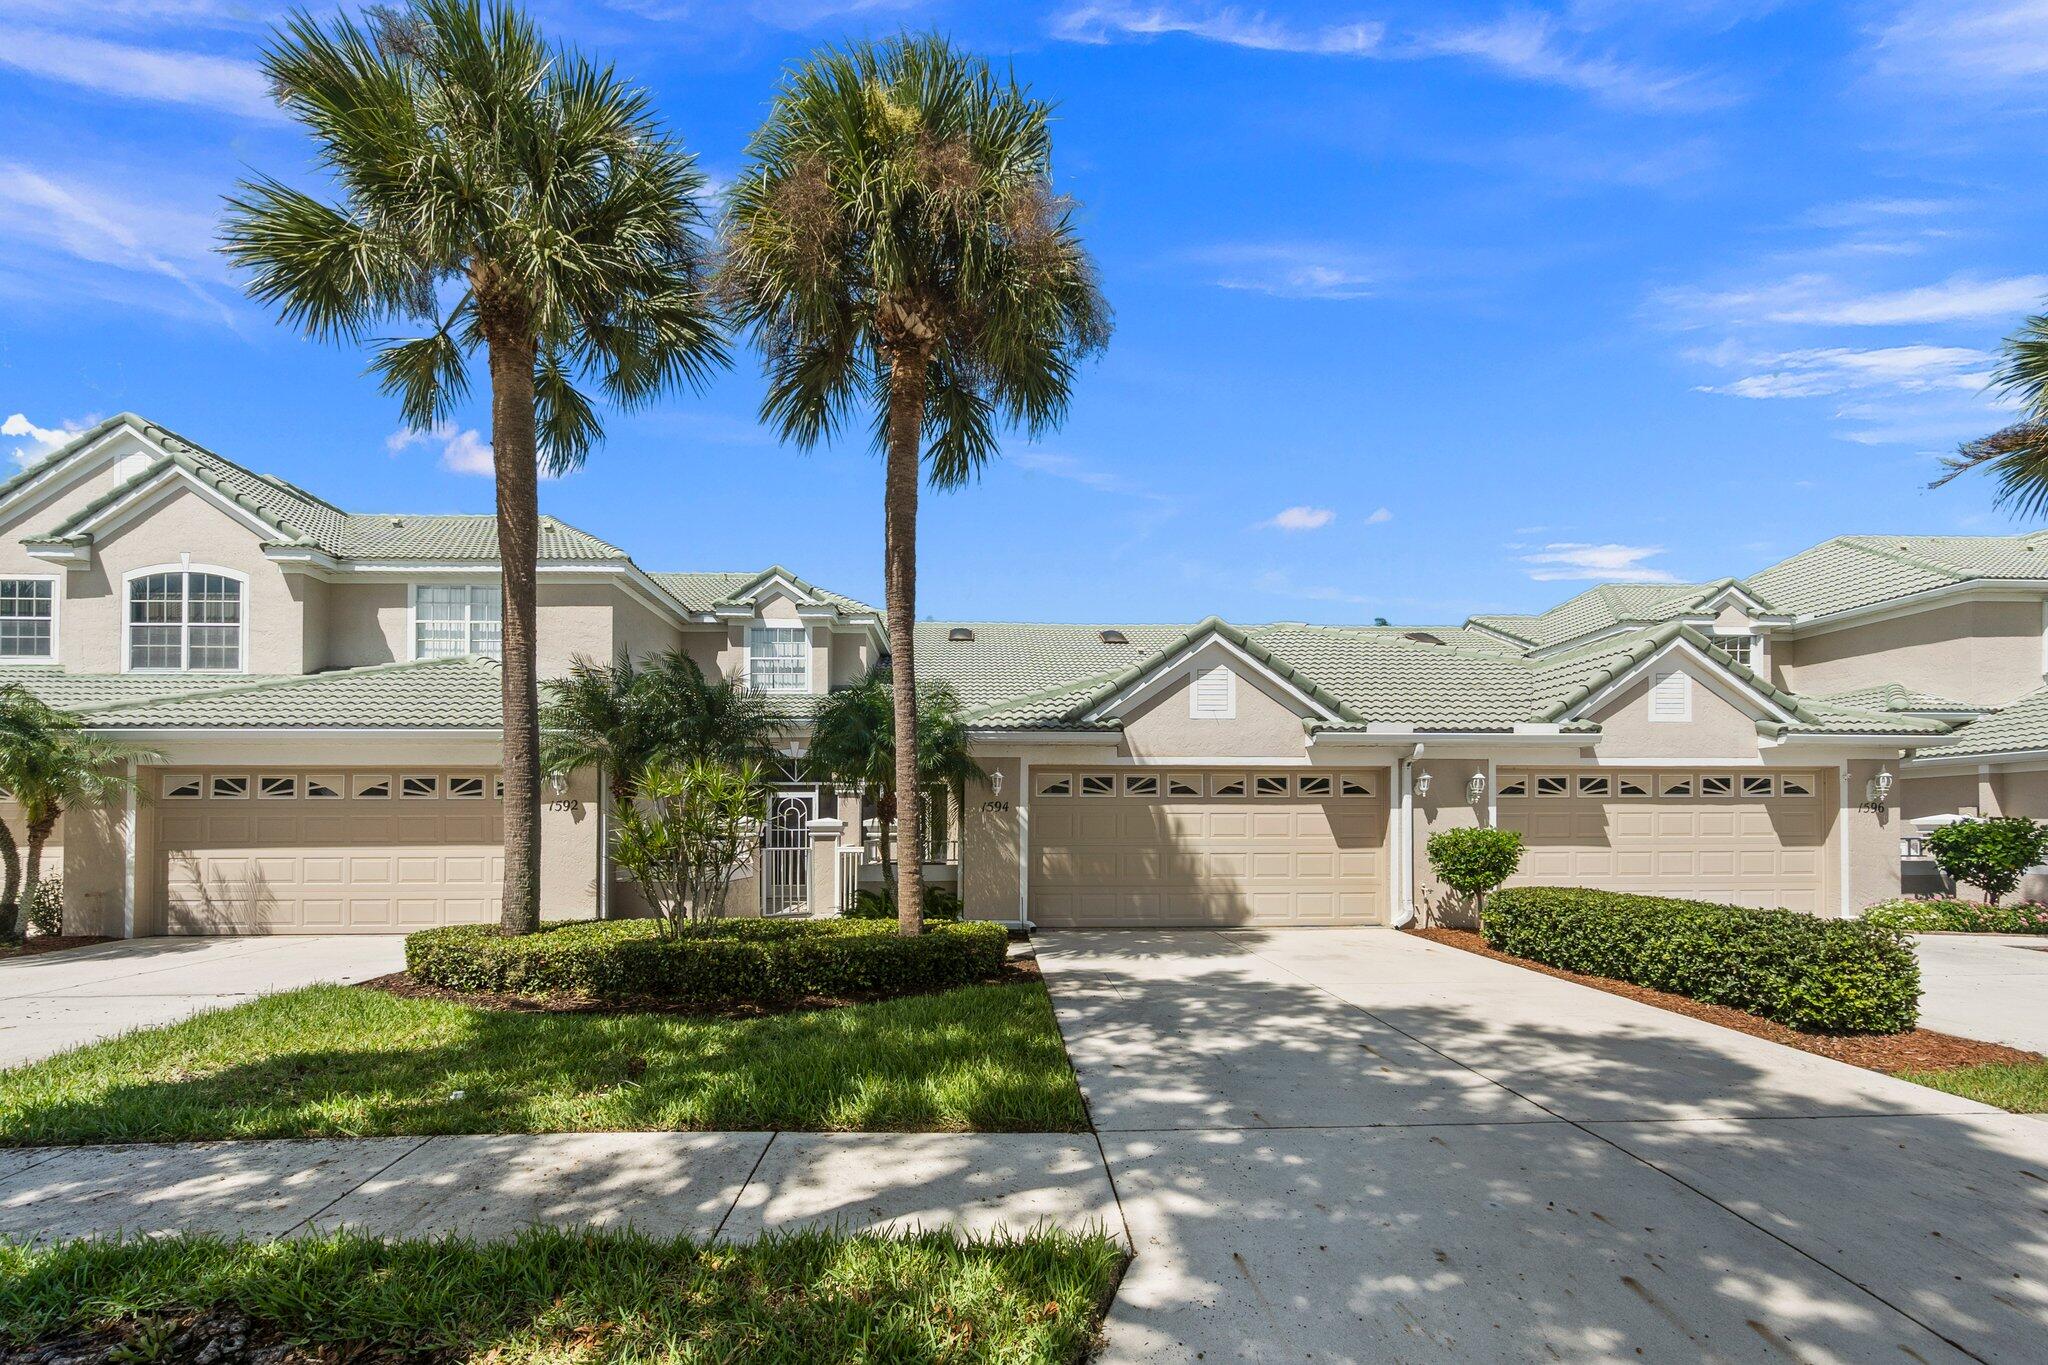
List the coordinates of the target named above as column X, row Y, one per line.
column 1244, row 847
column 1745, row 838
column 252, row 851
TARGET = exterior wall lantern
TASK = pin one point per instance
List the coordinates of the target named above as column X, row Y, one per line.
column 558, row 784
column 1422, row 785
column 1878, row 790
column 1475, row 788
column 995, row 783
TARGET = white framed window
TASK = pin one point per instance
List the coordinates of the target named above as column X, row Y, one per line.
column 1183, row 784
column 462, row 788
column 371, row 787
column 1354, row 784
column 1269, row 784
column 1794, row 784
column 1098, row 784
column 1212, row 695
column 1141, row 784
column 28, row 619
column 181, row 786
column 1716, row 784
column 185, row 619
column 1595, row 784
column 452, row 619
column 1739, row 647
column 1227, row 786
column 224, row 787
column 1314, row 784
column 778, row 659
column 1671, row 697
column 1675, row 784
column 1055, row 784
column 1513, row 784
column 277, row 787
column 1553, row 784
column 1632, row 787
column 323, row 786
column 1755, row 784
column 416, row 785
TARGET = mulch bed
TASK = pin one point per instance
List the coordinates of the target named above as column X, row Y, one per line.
column 1919, row 1050
column 1017, row 971
column 51, row 943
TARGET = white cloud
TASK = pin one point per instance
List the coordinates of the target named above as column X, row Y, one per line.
column 1526, row 45
column 1865, row 212
column 1107, row 23
column 463, row 450
column 41, row 440
column 1823, row 301
column 1821, row 371
column 1295, row 270
column 1982, row 41
column 85, row 223
column 1573, row 560
column 141, row 73
column 1378, row 516
column 1300, row 519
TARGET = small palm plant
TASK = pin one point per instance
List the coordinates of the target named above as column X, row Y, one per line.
column 687, row 832
column 52, row 765
column 895, row 246
column 499, row 195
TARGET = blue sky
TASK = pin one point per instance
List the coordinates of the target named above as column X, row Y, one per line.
column 1423, row 308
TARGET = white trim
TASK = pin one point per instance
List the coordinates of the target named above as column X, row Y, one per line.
column 412, row 618
column 1988, row 589
column 1716, row 674
column 1023, row 838
column 59, row 472
column 1842, row 838
column 1198, row 677
column 56, row 582
column 1492, row 794
column 1173, row 668
column 133, row 503
column 129, row 831
column 756, row 624
column 187, row 567
column 2044, row 637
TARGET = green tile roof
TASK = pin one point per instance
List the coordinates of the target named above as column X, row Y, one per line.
column 454, row 694
column 83, row 691
column 1601, row 608
column 1896, row 697
column 1850, row 572
column 709, row 591
column 2019, row 728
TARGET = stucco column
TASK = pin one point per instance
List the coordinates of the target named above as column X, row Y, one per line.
column 1871, row 864
column 992, row 836
column 824, row 872
column 1445, row 807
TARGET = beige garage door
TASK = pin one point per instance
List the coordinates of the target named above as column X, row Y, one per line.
column 268, row 851
column 1188, row 848
column 1745, row 838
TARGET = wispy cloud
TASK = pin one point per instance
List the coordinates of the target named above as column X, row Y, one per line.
column 1885, row 209
column 1058, row 465
column 124, row 71
column 85, row 223
column 463, row 449
column 1564, row 561
column 1822, row 371
column 1965, row 43
column 1295, row 270
column 41, row 440
column 1522, row 45
column 1821, row 300
column 1299, row 519
column 1379, row 516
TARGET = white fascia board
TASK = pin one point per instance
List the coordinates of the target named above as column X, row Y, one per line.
column 1937, row 763
column 1166, row 672
column 1714, row 674
column 1851, row 741
column 1514, row 642
column 72, row 555
column 1383, row 733
column 132, row 504
column 55, row 475
column 300, row 558
column 1038, row 738
column 1749, row 603
column 1980, row 589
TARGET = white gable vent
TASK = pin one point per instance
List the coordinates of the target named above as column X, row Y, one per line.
column 1671, row 697
column 1214, row 694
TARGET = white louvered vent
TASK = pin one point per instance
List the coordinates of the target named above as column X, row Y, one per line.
column 1671, row 697
column 1214, row 695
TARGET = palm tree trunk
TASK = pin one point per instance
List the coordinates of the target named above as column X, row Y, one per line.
column 514, row 455
column 32, row 870
column 10, row 894
column 899, row 586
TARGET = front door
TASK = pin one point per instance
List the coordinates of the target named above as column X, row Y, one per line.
column 786, row 852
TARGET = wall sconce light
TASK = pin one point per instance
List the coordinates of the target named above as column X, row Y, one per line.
column 1877, row 790
column 558, row 784
column 1422, row 785
column 1475, row 788
column 995, row 783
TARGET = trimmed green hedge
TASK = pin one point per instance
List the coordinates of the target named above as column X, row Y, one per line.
column 1958, row 917
column 940, row 904
column 1818, row 975
column 724, row 963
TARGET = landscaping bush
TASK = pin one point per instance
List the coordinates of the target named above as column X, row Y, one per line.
column 45, row 908
column 770, row 963
column 1916, row 916
column 1819, row 975
column 1474, row 861
column 1991, row 855
column 940, row 905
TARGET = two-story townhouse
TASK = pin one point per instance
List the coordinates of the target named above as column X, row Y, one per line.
column 320, row 689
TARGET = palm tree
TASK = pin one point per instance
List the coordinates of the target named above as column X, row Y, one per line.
column 853, row 745
column 51, row 764
column 695, row 718
column 595, row 718
column 2017, row 455
column 21, row 724
column 895, row 245
column 496, row 194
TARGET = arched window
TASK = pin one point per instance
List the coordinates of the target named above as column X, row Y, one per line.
column 185, row 620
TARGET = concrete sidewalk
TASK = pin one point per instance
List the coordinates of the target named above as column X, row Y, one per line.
column 702, row 1185
column 1989, row 986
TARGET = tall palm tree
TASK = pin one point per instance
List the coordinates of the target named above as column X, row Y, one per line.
column 496, row 194
column 853, row 745
column 895, row 244
column 697, row 718
column 51, row 764
column 2017, row 455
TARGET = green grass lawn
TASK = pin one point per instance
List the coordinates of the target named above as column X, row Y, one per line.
column 342, row 1061
column 2021, row 1087
column 571, row 1298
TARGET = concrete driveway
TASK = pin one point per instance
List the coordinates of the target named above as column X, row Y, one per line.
column 1989, row 986
column 53, row 1001
column 1358, row 1145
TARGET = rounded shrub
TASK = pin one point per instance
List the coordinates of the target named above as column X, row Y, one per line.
column 725, row 963
column 1991, row 854
column 1818, row 975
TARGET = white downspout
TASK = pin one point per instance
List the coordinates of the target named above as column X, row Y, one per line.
column 1404, row 858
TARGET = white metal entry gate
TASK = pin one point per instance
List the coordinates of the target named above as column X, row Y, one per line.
column 786, row 852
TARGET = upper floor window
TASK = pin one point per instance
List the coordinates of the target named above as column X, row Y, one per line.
column 457, row 619
column 1740, row 648
column 185, row 620
column 27, row 613
column 778, row 659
